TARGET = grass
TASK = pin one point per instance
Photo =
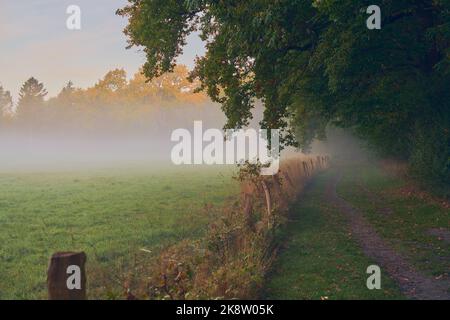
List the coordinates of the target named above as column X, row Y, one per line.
column 320, row 259
column 403, row 220
column 110, row 214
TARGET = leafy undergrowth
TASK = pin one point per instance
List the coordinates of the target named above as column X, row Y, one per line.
column 406, row 220
column 320, row 259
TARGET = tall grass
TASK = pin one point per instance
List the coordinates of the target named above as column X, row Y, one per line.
column 233, row 258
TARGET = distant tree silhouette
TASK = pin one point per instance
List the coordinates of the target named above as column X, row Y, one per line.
column 31, row 100
column 6, row 106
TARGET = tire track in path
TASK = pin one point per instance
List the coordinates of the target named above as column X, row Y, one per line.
column 412, row 283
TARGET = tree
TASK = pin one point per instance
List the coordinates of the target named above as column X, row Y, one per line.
column 172, row 87
column 65, row 100
column 67, row 92
column 6, row 105
column 31, row 100
column 315, row 63
column 113, row 81
column 62, row 109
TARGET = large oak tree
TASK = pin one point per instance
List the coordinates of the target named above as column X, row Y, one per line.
column 315, row 63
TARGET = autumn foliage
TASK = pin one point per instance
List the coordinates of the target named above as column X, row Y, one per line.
column 114, row 100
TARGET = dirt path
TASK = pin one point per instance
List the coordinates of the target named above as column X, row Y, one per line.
column 412, row 283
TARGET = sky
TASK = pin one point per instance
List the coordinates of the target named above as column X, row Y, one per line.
column 36, row 42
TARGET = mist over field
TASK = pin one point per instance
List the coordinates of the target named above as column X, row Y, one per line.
column 115, row 122
column 144, row 143
column 113, row 183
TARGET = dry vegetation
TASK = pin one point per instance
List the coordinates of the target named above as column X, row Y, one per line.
column 233, row 258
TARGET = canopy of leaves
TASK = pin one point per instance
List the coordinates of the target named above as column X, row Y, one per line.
column 313, row 63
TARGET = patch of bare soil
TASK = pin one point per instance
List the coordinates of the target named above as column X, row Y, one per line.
column 413, row 284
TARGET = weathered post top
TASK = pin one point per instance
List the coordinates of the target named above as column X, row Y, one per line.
column 66, row 276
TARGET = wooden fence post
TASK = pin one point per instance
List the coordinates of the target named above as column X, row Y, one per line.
column 305, row 168
column 248, row 210
column 66, row 276
column 268, row 201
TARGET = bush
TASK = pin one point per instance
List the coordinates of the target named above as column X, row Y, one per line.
column 430, row 156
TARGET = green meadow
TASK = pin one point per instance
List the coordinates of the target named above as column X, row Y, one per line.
column 117, row 216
